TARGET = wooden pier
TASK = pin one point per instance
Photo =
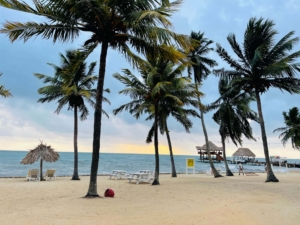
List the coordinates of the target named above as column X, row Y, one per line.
column 256, row 163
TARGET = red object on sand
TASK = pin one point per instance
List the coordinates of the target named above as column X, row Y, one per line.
column 109, row 193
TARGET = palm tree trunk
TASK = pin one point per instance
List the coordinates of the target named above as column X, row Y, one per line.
column 171, row 151
column 92, row 191
column 41, row 170
column 156, row 175
column 75, row 172
column 228, row 172
column 216, row 173
column 270, row 175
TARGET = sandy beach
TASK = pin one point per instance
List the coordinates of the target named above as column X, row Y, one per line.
column 187, row 199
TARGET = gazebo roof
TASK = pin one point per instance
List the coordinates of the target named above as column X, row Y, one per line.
column 244, row 152
column 212, row 147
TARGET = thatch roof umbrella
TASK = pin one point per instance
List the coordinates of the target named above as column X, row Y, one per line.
column 44, row 152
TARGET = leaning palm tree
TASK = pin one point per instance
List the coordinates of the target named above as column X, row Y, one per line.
column 71, row 89
column 199, row 68
column 262, row 64
column 4, row 92
column 181, row 115
column 150, row 94
column 233, row 113
column 292, row 129
column 117, row 24
column 170, row 108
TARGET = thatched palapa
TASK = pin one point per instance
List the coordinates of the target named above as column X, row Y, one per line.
column 42, row 152
column 215, row 152
column 212, row 147
column 243, row 155
column 244, row 152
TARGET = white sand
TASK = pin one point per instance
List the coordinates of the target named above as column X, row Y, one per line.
column 192, row 199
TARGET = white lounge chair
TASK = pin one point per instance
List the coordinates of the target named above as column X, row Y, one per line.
column 50, row 174
column 33, row 174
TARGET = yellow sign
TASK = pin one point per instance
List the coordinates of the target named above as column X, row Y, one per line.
column 190, row 162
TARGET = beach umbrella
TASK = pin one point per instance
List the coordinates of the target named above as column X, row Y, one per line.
column 42, row 152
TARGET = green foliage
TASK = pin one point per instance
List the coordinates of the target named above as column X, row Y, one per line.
column 200, row 63
column 141, row 24
column 184, row 94
column 71, row 87
column 292, row 129
column 233, row 112
column 161, row 84
column 4, row 92
column 262, row 63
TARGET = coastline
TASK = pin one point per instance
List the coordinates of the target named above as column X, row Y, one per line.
column 187, row 199
column 164, row 173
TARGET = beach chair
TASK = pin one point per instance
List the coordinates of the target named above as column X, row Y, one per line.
column 50, row 174
column 32, row 174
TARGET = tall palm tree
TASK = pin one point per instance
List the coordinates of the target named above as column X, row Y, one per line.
column 199, row 68
column 142, row 25
column 71, row 89
column 4, row 92
column 150, row 94
column 180, row 114
column 292, row 129
column 170, row 108
column 262, row 64
column 233, row 112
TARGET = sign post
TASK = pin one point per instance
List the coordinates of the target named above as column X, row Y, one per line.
column 190, row 164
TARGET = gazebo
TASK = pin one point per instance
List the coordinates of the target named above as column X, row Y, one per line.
column 243, row 155
column 215, row 152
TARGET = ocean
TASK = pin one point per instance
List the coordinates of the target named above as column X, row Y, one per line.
column 10, row 164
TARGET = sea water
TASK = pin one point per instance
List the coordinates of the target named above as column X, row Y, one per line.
column 10, row 165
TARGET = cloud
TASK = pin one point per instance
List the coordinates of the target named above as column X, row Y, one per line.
column 23, row 121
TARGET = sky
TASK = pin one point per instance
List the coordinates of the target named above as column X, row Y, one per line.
column 24, row 122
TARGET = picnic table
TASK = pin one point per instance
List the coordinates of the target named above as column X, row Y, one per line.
column 118, row 174
column 147, row 171
column 142, row 176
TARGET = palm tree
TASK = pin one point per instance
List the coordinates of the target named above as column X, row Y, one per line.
column 292, row 129
column 233, row 113
column 170, row 108
column 262, row 64
column 72, row 90
column 200, row 64
column 116, row 24
column 180, row 114
column 150, row 94
column 4, row 92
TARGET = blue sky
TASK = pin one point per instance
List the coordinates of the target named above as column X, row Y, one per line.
column 23, row 121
